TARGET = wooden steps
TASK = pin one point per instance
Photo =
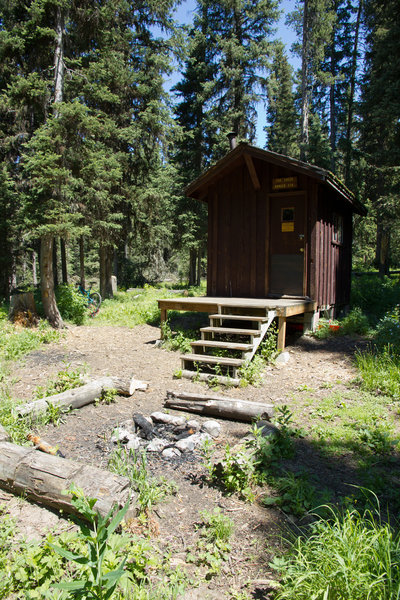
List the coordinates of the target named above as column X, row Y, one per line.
column 224, row 368
column 213, row 360
column 222, row 345
column 231, row 331
column 238, row 318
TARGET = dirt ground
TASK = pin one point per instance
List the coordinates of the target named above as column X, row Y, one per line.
column 85, row 436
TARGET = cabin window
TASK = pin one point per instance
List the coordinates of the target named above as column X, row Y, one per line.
column 337, row 233
column 287, row 219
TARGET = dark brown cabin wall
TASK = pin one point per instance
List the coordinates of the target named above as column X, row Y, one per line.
column 238, row 235
column 334, row 269
column 211, row 248
column 313, row 233
column 262, row 232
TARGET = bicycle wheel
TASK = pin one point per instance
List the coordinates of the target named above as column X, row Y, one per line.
column 94, row 303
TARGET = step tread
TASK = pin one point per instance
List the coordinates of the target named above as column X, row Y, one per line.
column 215, row 360
column 232, row 330
column 239, row 318
column 224, row 345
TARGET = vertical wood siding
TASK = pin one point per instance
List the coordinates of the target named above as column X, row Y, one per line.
column 238, row 234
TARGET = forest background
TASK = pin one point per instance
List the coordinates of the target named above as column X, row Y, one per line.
column 95, row 154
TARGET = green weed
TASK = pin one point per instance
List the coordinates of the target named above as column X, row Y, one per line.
column 128, row 309
column 71, row 303
column 251, row 372
column 16, row 341
column 296, row 494
column 149, row 490
column 179, row 341
column 356, row 322
column 66, row 379
column 108, row 396
column 100, row 582
column 349, row 555
column 213, row 547
column 380, row 371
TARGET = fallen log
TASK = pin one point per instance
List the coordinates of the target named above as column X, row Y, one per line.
column 78, row 397
column 220, row 406
column 43, row 478
column 43, row 446
column 4, row 435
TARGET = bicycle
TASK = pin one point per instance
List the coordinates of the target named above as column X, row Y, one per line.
column 93, row 299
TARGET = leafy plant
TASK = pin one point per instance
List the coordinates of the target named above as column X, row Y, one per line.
column 268, row 347
column 108, row 396
column 296, row 496
column 179, row 341
column 377, row 439
column 213, row 546
column 235, row 472
column 71, row 303
column 355, row 322
column 66, row 379
column 54, row 414
column 250, row 373
column 99, row 584
column 134, row 466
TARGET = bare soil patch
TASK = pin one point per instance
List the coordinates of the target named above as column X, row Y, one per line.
column 85, row 436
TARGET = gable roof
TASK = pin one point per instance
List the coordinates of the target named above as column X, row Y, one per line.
column 198, row 187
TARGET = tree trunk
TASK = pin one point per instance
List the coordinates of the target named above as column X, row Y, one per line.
column 106, row 259
column 82, row 261
column 55, row 262
column 64, row 269
column 192, row 267
column 34, row 267
column 349, row 128
column 47, row 282
column 198, row 278
column 304, row 139
column 382, row 249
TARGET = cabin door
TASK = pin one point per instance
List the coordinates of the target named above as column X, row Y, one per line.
column 287, row 244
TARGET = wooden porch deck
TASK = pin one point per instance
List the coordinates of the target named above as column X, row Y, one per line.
column 283, row 308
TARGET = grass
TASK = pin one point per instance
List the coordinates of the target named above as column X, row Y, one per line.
column 149, row 490
column 379, row 372
column 347, row 556
column 35, row 570
column 128, row 309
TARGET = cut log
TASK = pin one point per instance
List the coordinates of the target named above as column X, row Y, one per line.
column 43, row 446
column 43, row 478
column 4, row 435
column 78, row 397
column 210, row 377
column 220, row 406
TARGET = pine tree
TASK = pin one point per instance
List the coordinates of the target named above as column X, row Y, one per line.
column 313, row 21
column 244, row 40
column 282, row 128
column 380, row 129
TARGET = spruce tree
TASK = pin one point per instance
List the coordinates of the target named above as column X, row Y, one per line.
column 282, row 128
column 380, row 128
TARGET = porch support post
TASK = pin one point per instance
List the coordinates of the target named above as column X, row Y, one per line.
column 281, row 333
column 310, row 321
column 163, row 319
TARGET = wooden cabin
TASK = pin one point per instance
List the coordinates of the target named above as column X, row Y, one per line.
column 279, row 247
column 277, row 228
